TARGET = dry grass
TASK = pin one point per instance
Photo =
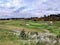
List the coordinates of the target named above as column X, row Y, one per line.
column 6, row 26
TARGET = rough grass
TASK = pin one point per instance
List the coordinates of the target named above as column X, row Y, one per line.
column 6, row 27
column 33, row 25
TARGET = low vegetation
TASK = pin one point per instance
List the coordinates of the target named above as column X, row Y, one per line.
column 8, row 27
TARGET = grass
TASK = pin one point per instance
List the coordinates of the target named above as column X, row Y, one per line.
column 33, row 26
column 7, row 26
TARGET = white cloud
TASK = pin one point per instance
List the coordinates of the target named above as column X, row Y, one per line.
column 32, row 7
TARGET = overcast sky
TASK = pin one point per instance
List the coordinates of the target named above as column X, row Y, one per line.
column 28, row 8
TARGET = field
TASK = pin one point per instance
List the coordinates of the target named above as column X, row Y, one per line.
column 7, row 28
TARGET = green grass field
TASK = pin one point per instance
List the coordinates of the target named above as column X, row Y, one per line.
column 6, row 26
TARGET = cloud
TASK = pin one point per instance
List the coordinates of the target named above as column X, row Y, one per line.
column 44, row 7
column 28, row 8
column 11, row 3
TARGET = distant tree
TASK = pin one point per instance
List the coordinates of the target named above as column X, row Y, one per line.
column 45, row 18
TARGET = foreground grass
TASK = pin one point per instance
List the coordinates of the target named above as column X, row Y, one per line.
column 7, row 26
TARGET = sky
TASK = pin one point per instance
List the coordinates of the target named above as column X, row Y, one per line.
column 28, row 8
